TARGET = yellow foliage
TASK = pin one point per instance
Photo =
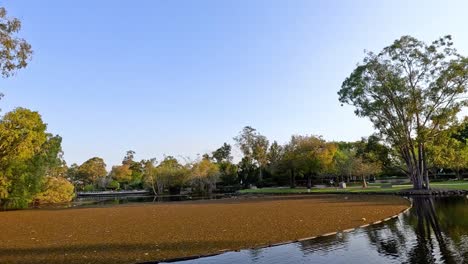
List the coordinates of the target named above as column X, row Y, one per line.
column 56, row 190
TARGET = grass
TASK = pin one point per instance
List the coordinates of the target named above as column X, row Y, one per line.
column 372, row 188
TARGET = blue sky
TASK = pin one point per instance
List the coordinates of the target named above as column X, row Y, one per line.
column 182, row 77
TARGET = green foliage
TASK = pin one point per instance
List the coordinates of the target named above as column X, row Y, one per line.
column 247, row 172
column 15, row 52
column 130, row 173
column 228, row 173
column 89, row 188
column 204, row 176
column 27, row 155
column 222, row 154
column 254, row 146
column 113, row 185
column 410, row 91
column 450, row 149
column 90, row 171
column 169, row 174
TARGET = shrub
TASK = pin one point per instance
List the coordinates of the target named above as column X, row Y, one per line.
column 113, row 185
column 88, row 188
column 55, row 190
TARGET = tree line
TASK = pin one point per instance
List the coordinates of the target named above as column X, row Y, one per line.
column 413, row 93
column 304, row 159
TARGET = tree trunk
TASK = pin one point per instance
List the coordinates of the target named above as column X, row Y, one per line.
column 260, row 176
column 364, row 183
column 293, row 179
column 426, row 180
column 309, row 182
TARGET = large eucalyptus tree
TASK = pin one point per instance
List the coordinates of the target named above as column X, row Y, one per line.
column 410, row 91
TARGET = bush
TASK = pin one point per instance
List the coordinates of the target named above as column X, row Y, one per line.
column 56, row 190
column 88, row 188
column 136, row 184
column 113, row 185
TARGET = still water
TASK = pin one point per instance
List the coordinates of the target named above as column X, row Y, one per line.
column 96, row 201
column 435, row 230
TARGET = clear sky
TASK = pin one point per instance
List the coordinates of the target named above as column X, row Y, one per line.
column 182, row 77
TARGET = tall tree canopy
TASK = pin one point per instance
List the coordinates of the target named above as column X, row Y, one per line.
column 204, row 176
column 27, row 154
column 254, row 146
column 15, row 52
column 312, row 155
column 91, row 170
column 222, row 154
column 410, row 91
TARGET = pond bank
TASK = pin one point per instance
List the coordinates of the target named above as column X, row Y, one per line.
column 150, row 232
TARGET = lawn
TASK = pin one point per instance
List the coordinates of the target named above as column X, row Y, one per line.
column 373, row 188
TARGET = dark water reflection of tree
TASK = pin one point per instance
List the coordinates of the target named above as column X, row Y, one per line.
column 419, row 237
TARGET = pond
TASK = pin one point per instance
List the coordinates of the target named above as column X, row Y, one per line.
column 435, row 230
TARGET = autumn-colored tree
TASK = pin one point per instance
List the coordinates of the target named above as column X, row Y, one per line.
column 169, row 174
column 55, row 190
column 122, row 173
column 27, row 154
column 15, row 52
column 91, row 170
column 131, row 171
column 313, row 155
column 204, row 176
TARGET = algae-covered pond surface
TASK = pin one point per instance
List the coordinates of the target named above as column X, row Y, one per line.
column 144, row 232
column 434, row 230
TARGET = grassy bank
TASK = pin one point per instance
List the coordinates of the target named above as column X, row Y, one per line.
column 372, row 188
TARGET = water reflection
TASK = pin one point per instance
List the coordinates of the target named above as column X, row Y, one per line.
column 435, row 230
column 98, row 201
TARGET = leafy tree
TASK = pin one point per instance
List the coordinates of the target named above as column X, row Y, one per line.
column 168, row 174
column 313, row 155
column 55, row 190
column 175, row 173
column 151, row 176
column 275, row 166
column 254, row 146
column 247, row 172
column 345, row 163
column 27, row 154
column 204, row 176
column 91, row 170
column 410, row 91
column 227, row 170
column 228, row 173
column 22, row 134
column 365, row 169
column 222, row 154
column 72, row 174
column 131, row 172
column 15, row 52
column 450, row 149
column 113, row 185
column 128, row 159
column 122, row 173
